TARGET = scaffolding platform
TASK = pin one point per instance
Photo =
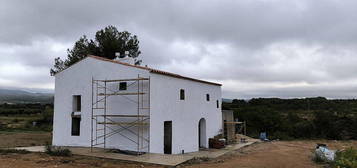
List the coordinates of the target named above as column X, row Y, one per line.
column 123, row 80
column 112, row 94
column 121, row 115
column 123, row 123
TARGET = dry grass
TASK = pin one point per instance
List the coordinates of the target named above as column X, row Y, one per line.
column 12, row 139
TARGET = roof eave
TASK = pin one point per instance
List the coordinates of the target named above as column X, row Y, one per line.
column 151, row 70
column 184, row 77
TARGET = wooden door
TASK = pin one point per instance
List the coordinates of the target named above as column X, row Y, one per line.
column 168, row 137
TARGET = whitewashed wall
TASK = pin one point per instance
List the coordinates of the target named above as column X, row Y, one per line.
column 76, row 80
column 165, row 106
column 184, row 114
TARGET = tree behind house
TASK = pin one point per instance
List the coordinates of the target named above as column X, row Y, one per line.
column 107, row 42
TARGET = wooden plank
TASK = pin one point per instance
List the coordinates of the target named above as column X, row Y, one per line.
column 120, row 93
column 120, row 80
column 123, row 123
column 167, row 137
column 121, row 115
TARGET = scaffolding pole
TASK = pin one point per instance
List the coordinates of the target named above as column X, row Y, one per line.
column 91, row 121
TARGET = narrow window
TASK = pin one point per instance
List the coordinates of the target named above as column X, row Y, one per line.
column 182, row 94
column 76, row 123
column 122, row 86
column 207, row 97
column 76, row 103
column 217, row 103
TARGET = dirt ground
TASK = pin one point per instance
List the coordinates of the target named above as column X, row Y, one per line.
column 41, row 160
column 276, row 154
column 12, row 139
column 279, row 154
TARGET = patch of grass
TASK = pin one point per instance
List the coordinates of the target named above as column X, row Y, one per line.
column 18, row 130
column 8, row 151
column 66, row 161
column 57, row 151
column 196, row 160
column 346, row 159
column 26, row 117
column 15, row 120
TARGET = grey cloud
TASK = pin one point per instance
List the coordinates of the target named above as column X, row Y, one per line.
column 249, row 23
column 336, row 92
column 251, row 42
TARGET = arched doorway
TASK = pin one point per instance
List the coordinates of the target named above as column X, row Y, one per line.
column 202, row 140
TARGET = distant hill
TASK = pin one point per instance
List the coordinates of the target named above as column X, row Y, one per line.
column 226, row 100
column 20, row 96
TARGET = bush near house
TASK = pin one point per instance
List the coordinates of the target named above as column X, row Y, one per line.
column 346, row 159
column 57, row 151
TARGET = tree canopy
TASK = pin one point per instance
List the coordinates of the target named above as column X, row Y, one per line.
column 107, row 42
column 317, row 118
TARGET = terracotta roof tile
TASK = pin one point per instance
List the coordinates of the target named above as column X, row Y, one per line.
column 154, row 70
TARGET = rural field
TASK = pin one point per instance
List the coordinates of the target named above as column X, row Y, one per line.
column 296, row 153
column 17, row 129
column 30, row 138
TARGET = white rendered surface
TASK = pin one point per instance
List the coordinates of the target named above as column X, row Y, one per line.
column 164, row 100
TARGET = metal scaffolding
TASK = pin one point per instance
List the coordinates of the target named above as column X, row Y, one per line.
column 132, row 125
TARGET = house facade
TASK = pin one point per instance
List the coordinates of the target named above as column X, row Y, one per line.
column 111, row 104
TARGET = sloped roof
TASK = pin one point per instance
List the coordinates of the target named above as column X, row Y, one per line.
column 151, row 70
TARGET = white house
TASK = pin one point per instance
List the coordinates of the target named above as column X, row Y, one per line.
column 111, row 104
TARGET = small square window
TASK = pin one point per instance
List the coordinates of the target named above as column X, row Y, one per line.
column 122, row 86
column 207, row 97
column 182, row 94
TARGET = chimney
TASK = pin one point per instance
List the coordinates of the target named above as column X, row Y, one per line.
column 117, row 55
column 125, row 59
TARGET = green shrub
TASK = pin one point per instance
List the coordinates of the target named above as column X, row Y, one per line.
column 196, row 160
column 57, row 151
column 15, row 120
column 346, row 159
column 7, row 151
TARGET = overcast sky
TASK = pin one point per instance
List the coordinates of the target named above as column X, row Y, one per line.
column 261, row 48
